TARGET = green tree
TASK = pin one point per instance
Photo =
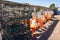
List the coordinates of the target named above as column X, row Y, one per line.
column 38, row 9
column 52, row 6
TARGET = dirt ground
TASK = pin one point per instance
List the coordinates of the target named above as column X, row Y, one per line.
column 56, row 33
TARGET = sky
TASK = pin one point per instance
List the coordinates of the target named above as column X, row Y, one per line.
column 45, row 3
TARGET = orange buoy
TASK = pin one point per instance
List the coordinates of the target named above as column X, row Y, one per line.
column 41, row 21
column 33, row 24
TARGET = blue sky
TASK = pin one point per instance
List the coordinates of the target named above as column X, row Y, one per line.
column 45, row 3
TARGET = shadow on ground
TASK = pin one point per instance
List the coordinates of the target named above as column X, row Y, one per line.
column 46, row 34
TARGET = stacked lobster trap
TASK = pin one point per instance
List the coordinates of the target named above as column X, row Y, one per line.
column 15, row 26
